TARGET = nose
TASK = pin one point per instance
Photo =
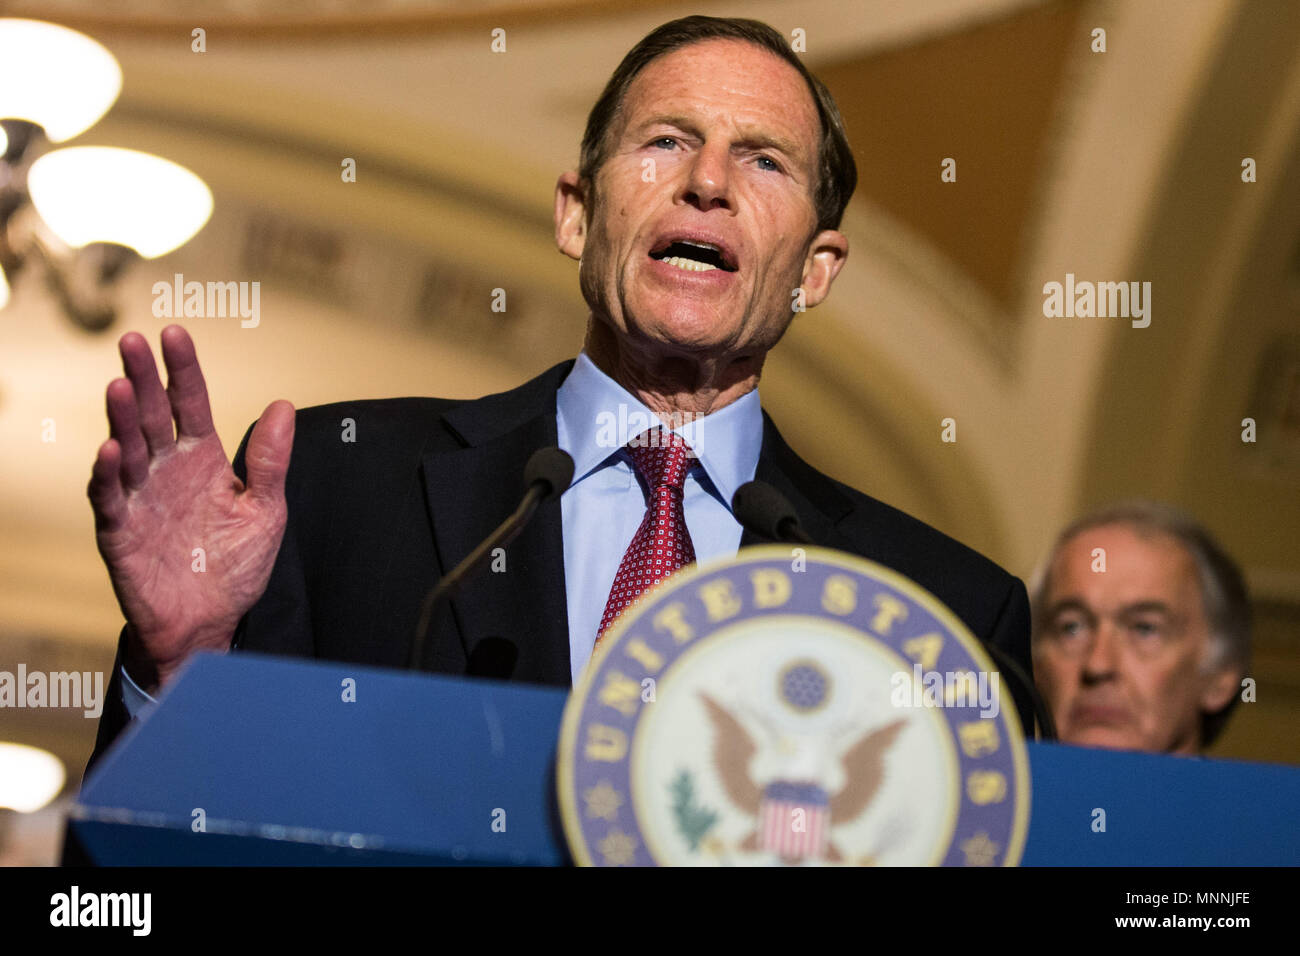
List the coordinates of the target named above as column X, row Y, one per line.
column 707, row 182
column 1102, row 659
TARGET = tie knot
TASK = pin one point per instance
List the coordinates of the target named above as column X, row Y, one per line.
column 661, row 458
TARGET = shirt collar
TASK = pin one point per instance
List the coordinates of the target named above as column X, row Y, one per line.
column 596, row 417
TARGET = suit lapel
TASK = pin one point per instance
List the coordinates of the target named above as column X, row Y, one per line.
column 473, row 489
column 816, row 500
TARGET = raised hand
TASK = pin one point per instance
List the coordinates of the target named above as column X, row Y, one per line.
column 160, row 495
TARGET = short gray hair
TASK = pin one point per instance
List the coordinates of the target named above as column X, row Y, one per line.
column 837, row 171
column 1223, row 589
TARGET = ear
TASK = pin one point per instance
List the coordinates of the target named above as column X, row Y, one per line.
column 570, row 215
column 1220, row 689
column 826, row 255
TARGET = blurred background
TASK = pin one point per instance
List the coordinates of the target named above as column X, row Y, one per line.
column 1117, row 166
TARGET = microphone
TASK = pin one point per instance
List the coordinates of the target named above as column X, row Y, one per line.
column 766, row 512
column 494, row 658
column 1019, row 678
column 548, row 473
column 762, row 509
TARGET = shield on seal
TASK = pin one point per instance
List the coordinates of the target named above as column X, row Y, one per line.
column 794, row 820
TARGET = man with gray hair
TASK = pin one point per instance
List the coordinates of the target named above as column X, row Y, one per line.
column 1141, row 631
column 688, row 275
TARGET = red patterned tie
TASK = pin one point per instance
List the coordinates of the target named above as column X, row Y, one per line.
column 662, row 544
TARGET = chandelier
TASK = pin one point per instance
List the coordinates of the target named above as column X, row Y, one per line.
column 81, row 214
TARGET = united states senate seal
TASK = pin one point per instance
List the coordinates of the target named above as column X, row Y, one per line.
column 795, row 706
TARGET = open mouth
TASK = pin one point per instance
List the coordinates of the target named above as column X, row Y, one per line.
column 694, row 256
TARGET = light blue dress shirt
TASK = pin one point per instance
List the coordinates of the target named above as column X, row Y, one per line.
column 604, row 506
column 601, row 511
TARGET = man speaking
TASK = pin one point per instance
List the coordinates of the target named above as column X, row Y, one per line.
column 713, row 176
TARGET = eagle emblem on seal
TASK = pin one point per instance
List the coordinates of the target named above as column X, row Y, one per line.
column 794, row 813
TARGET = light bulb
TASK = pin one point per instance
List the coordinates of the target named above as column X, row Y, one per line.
column 91, row 194
column 29, row 777
column 59, row 79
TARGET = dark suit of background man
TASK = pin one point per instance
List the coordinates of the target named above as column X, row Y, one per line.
column 689, row 275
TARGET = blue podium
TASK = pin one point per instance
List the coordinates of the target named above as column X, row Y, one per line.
column 255, row 760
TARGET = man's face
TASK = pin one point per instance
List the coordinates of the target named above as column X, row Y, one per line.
column 716, row 145
column 1118, row 655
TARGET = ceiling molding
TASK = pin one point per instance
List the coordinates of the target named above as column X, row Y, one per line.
column 1170, row 398
column 275, row 20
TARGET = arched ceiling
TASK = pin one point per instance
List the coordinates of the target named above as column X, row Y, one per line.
column 984, row 97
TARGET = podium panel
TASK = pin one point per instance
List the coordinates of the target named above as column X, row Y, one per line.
column 256, row 760
column 249, row 759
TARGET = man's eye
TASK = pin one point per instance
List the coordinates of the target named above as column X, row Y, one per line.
column 771, row 164
column 1069, row 628
column 1145, row 628
column 665, row 139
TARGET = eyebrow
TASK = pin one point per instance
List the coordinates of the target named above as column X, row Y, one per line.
column 1067, row 604
column 1141, row 607
column 1149, row 607
column 752, row 139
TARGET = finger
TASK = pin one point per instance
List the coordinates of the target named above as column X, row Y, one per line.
column 185, row 386
column 124, row 426
column 151, row 399
column 266, row 459
column 107, row 498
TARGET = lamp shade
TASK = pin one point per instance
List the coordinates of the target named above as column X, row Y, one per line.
column 103, row 194
column 59, row 79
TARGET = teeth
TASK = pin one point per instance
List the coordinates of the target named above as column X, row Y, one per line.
column 689, row 265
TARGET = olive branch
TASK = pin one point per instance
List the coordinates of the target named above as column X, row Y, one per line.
column 693, row 821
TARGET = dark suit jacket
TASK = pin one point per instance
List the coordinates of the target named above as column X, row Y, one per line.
column 374, row 522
